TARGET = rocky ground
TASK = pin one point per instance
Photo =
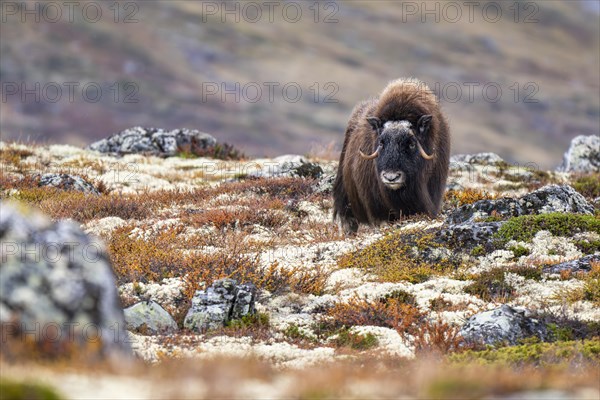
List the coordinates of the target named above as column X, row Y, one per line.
column 236, row 282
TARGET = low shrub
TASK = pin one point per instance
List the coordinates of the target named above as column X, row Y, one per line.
column 356, row 341
column 565, row 353
column 398, row 257
column 525, row 227
column 588, row 185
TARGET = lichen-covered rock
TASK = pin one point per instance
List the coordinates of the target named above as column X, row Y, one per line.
column 57, row 282
column 223, row 301
column 289, row 165
column 482, row 209
column 150, row 318
column 555, row 198
column 583, row 155
column 244, row 302
column 169, row 293
column 325, row 184
column 548, row 199
column 155, row 141
column 502, row 325
column 68, row 182
column 468, row 235
column 479, row 159
column 583, row 264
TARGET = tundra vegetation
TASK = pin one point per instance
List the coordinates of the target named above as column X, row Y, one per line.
column 378, row 314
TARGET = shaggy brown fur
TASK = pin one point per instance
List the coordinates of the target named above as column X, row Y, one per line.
column 360, row 195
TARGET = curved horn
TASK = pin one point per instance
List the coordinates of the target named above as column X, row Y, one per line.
column 372, row 156
column 422, row 152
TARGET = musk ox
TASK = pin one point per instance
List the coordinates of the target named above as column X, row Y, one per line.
column 395, row 157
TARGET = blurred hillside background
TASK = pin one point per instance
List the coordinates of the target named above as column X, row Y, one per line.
column 163, row 63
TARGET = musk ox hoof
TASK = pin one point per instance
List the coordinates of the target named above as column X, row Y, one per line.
column 349, row 226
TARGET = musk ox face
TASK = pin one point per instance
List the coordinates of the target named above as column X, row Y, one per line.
column 399, row 154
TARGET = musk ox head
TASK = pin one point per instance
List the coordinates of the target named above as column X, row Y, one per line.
column 399, row 153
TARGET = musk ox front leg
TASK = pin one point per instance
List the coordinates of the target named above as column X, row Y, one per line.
column 349, row 224
column 342, row 208
column 429, row 204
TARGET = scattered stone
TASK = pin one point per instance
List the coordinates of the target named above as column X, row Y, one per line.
column 155, row 142
column 482, row 209
column 223, row 301
column 548, row 199
column 54, row 276
column 148, row 317
column 583, row 155
column 68, row 182
column 169, row 293
column 479, row 159
column 555, row 198
column 583, row 264
column 468, row 235
column 502, row 325
column 325, row 184
column 290, row 165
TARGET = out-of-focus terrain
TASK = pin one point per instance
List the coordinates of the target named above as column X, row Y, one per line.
column 546, row 64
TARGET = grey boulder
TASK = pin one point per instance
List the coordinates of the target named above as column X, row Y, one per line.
column 220, row 303
column 468, row 235
column 57, row 284
column 583, row 264
column 68, row 182
column 476, row 159
column 503, row 325
column 550, row 198
column 155, row 141
column 325, row 184
column 149, row 317
column 583, row 155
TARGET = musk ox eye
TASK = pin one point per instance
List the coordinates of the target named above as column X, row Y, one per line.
column 412, row 146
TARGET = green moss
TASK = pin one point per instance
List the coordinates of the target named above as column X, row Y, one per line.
column 527, row 272
column 561, row 333
column 588, row 246
column 478, row 251
column 402, row 296
column 345, row 338
column 539, row 354
column 294, row 332
column 490, row 286
column 250, row 320
column 591, row 290
column 26, row 390
column 588, row 185
column 525, row 227
column 400, row 257
column 519, row 250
